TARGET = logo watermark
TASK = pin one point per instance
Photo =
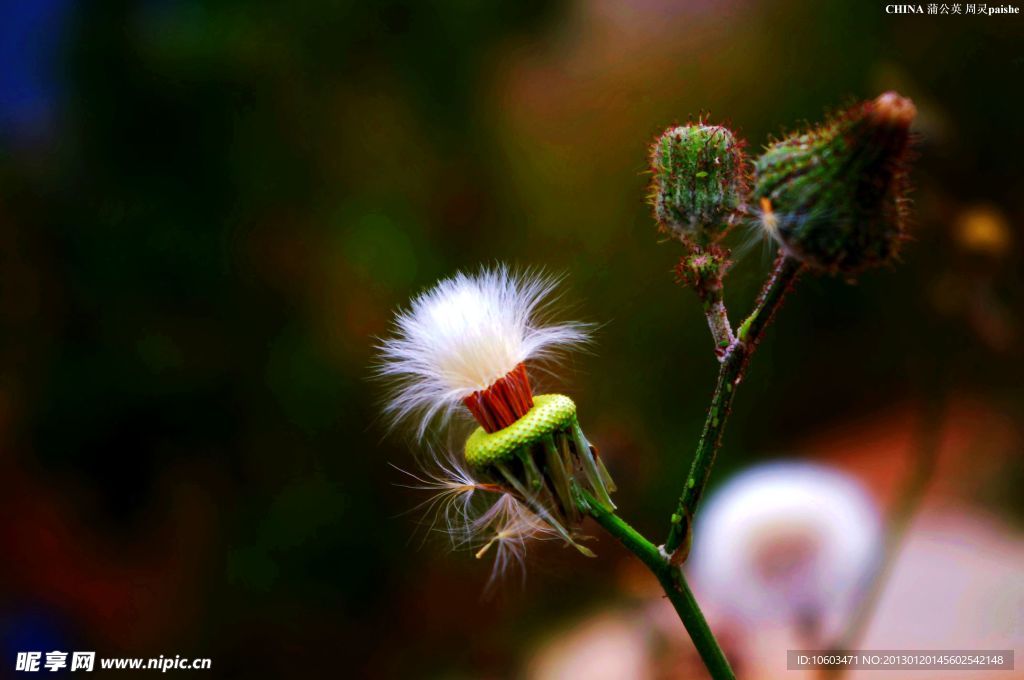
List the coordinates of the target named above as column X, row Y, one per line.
column 977, row 9
column 34, row 662
column 901, row 659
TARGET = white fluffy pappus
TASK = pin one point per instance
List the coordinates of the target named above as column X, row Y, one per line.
column 786, row 543
column 477, row 515
column 464, row 334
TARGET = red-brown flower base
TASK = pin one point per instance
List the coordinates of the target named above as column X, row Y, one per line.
column 507, row 400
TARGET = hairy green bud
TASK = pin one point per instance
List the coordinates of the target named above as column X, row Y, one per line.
column 835, row 197
column 699, row 181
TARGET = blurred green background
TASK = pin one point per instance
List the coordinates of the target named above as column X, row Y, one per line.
column 208, row 211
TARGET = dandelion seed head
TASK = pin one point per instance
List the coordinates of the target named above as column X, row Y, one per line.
column 466, row 333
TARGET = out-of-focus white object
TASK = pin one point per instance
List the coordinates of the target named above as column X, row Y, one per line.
column 786, row 544
column 957, row 583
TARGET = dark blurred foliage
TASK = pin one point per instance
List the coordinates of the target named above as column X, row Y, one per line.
column 209, row 210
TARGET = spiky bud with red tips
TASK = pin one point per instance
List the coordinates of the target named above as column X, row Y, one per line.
column 835, row 197
column 699, row 181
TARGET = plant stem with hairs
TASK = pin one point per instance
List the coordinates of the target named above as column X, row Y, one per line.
column 730, row 374
column 664, row 563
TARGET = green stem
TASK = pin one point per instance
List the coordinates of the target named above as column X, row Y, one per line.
column 713, row 300
column 730, row 374
column 672, row 581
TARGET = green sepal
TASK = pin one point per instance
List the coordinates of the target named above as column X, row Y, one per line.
column 550, row 413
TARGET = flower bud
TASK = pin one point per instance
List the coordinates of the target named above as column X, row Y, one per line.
column 699, row 181
column 835, row 197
